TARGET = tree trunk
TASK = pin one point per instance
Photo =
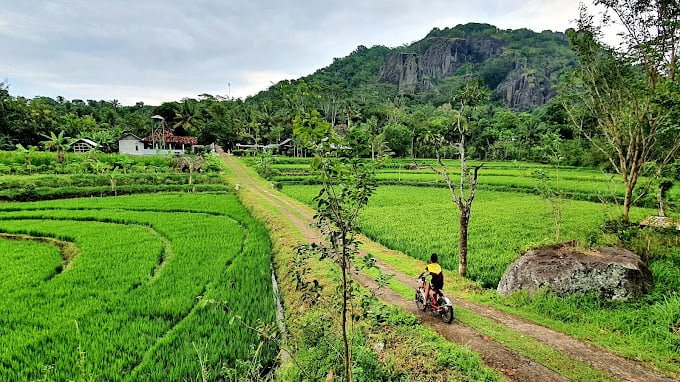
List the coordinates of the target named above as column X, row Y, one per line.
column 462, row 261
column 659, row 199
column 413, row 145
column 627, row 201
column 345, row 342
column 373, row 149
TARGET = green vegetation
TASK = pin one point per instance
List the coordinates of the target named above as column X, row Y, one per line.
column 31, row 176
column 30, row 261
column 506, row 225
column 388, row 344
column 574, row 183
column 154, row 289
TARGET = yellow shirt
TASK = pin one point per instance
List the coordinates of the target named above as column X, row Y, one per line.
column 434, row 268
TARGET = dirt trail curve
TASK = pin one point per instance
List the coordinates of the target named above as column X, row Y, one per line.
column 514, row 366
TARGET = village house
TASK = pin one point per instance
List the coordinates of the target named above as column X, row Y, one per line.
column 162, row 141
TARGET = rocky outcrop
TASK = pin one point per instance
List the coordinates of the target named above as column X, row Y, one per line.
column 527, row 87
column 402, row 69
column 413, row 72
column 564, row 269
column 523, row 88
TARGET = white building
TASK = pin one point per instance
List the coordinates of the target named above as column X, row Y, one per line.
column 161, row 142
column 130, row 144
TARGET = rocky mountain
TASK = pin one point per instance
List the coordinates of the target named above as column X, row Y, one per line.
column 521, row 67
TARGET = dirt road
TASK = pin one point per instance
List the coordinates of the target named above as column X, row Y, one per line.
column 514, row 366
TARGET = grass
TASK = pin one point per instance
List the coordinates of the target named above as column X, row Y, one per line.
column 576, row 183
column 418, row 221
column 30, row 262
column 155, row 274
column 397, row 360
column 101, row 175
column 503, row 225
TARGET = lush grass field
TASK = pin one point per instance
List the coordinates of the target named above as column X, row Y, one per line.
column 151, row 293
column 419, row 221
column 574, row 183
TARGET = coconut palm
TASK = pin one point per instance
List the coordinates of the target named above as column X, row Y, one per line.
column 186, row 117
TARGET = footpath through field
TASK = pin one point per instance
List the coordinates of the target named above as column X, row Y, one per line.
column 510, row 363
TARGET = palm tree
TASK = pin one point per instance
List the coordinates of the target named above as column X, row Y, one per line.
column 58, row 142
column 186, row 116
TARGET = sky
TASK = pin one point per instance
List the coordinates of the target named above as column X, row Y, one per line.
column 165, row 50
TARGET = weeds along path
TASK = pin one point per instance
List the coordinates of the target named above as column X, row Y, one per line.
column 512, row 364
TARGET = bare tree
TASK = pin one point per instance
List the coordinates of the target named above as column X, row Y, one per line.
column 623, row 99
column 441, row 134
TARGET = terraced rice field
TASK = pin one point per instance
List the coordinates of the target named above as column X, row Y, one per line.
column 574, row 183
column 131, row 288
column 422, row 220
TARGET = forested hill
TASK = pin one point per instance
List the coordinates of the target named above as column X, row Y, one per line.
column 373, row 95
column 520, row 66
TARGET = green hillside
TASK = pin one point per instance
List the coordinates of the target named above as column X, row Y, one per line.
column 520, row 66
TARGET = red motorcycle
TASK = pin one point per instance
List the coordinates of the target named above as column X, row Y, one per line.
column 439, row 303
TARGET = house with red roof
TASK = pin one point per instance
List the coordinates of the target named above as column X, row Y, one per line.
column 162, row 141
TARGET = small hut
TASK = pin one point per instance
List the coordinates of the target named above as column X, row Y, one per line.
column 84, row 145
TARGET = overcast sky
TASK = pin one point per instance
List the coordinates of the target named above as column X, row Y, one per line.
column 164, row 50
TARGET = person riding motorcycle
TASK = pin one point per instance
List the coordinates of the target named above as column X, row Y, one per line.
column 433, row 270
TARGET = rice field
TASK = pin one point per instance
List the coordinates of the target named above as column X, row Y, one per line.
column 132, row 288
column 421, row 220
column 574, row 183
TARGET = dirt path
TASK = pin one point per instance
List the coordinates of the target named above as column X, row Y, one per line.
column 513, row 365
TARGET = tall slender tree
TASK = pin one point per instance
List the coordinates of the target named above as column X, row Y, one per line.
column 623, row 99
column 445, row 126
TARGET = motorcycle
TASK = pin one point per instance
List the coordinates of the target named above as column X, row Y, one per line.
column 439, row 304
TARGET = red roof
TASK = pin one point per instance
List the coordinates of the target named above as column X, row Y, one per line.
column 169, row 137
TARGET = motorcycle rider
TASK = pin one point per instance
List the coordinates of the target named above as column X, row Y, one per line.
column 434, row 270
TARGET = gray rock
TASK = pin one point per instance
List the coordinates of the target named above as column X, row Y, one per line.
column 522, row 89
column 613, row 273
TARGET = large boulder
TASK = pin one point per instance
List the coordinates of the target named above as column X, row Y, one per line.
column 565, row 269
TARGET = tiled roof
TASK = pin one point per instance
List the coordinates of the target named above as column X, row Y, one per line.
column 170, row 138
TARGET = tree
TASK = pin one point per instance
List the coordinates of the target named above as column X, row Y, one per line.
column 398, row 138
column 444, row 127
column 347, row 184
column 550, row 146
column 359, row 139
column 58, row 142
column 619, row 98
column 187, row 117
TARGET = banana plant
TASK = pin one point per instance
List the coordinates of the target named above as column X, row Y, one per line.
column 28, row 154
column 58, row 142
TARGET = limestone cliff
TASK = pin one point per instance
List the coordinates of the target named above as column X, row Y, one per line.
column 521, row 78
